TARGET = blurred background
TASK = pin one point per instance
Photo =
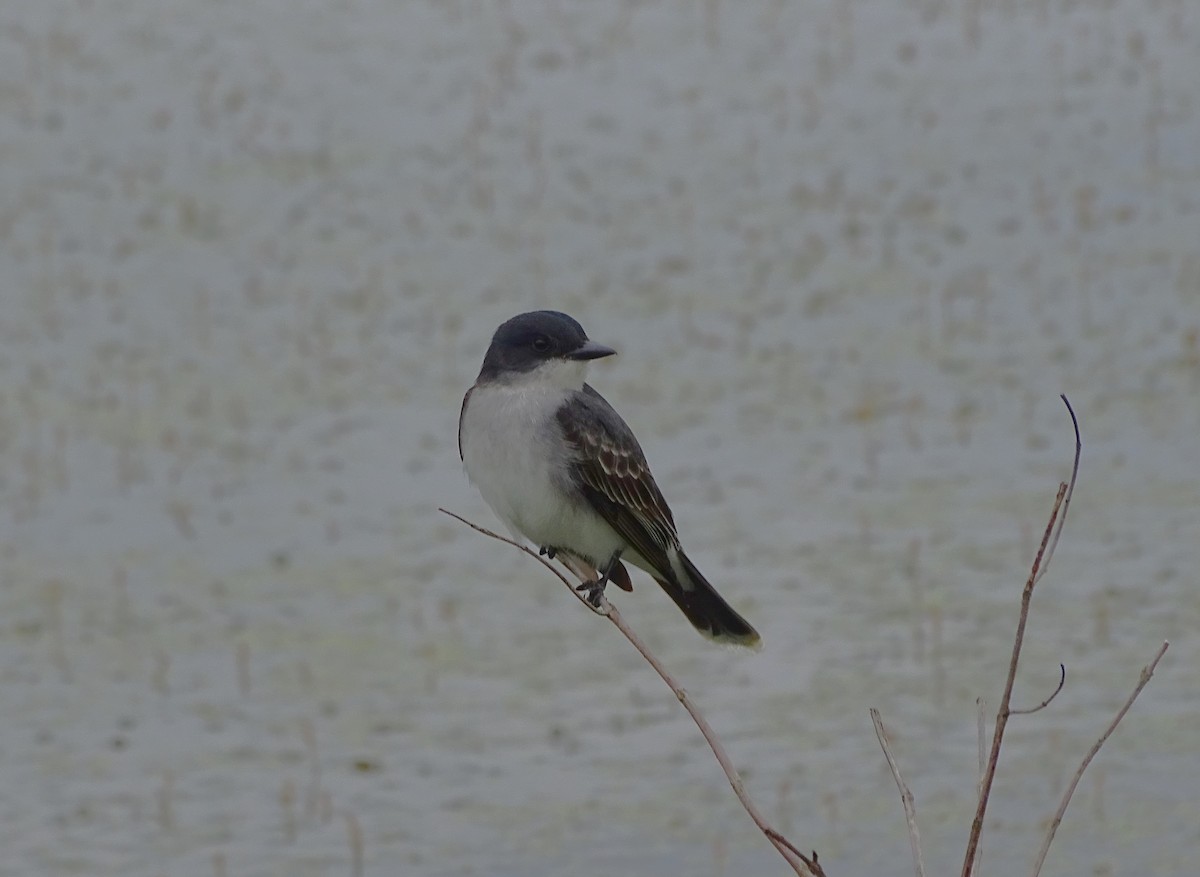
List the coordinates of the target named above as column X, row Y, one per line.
column 850, row 251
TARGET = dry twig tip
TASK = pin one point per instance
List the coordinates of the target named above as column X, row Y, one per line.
column 906, row 795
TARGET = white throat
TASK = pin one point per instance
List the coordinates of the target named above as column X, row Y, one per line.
column 554, row 374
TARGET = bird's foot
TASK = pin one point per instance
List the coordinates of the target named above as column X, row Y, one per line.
column 548, row 551
column 593, row 592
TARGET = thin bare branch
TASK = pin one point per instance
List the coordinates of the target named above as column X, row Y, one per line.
column 982, row 745
column 1041, row 563
column 800, row 863
column 906, row 795
column 1002, row 714
column 982, row 723
column 803, row 865
column 1062, row 680
column 1147, row 672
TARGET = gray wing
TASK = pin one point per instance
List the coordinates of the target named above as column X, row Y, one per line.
column 612, row 472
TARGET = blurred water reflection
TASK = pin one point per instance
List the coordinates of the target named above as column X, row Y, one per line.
column 850, row 253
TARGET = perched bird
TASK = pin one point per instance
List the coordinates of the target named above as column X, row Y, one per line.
column 561, row 468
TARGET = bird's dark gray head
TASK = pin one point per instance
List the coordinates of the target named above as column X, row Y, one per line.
column 530, row 340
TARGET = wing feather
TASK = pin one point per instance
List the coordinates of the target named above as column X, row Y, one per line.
column 610, row 467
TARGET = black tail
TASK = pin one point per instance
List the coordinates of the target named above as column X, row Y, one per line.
column 705, row 609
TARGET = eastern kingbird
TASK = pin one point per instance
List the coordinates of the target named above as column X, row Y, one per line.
column 561, row 468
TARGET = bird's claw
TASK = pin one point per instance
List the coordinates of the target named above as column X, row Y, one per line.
column 548, row 551
column 593, row 592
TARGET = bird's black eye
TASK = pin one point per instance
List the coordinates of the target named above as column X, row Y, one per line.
column 541, row 344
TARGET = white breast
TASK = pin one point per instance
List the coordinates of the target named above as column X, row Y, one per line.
column 511, row 447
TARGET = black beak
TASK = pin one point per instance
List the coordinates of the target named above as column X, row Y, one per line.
column 591, row 350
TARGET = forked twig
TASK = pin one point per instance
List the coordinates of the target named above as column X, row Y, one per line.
column 1058, row 516
column 1147, row 672
column 906, row 795
column 803, row 865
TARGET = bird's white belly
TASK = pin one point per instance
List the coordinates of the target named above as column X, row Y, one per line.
column 511, row 450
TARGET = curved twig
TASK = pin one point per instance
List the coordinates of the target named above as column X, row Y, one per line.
column 1070, row 490
column 1062, row 680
